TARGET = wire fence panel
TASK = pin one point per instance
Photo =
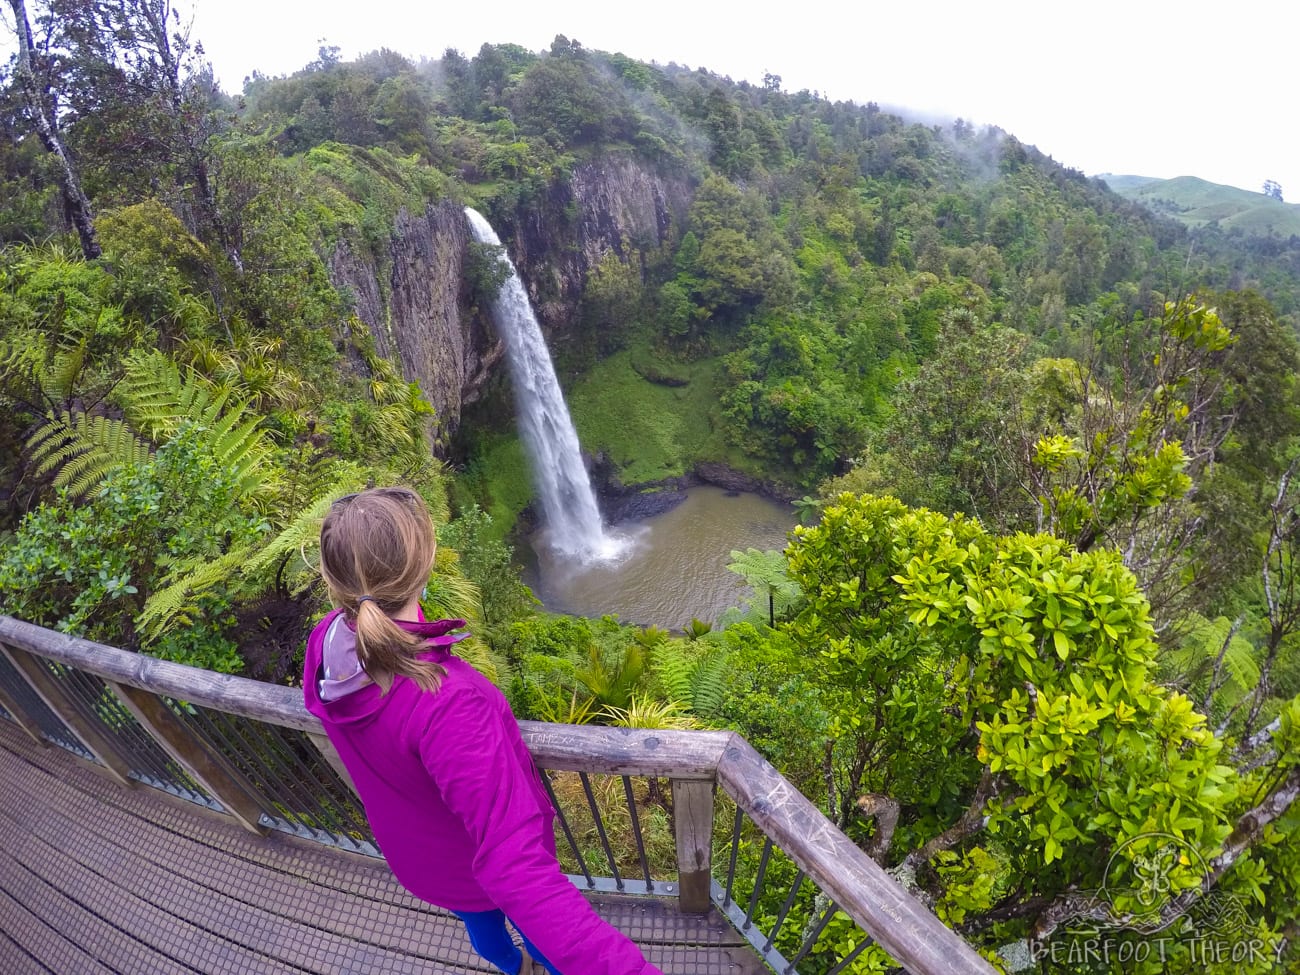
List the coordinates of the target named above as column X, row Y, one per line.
column 617, row 825
column 289, row 775
column 792, row 925
column 150, row 762
column 50, row 724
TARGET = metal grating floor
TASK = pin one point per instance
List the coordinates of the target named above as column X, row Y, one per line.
column 96, row 878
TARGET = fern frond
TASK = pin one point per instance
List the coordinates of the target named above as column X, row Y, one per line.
column 476, row 653
column 61, row 373
column 83, row 449
column 149, row 393
column 764, row 571
column 38, row 369
column 709, row 681
column 157, row 397
column 452, row 596
column 672, row 665
column 295, row 540
column 176, row 604
column 240, row 444
column 246, row 567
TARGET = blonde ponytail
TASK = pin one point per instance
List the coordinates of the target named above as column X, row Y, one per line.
column 377, row 549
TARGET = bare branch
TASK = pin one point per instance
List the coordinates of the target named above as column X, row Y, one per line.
column 1217, row 676
column 1251, row 825
column 971, row 822
column 885, row 812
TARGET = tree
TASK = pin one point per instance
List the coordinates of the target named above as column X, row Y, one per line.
column 995, row 713
column 42, row 110
column 729, row 261
column 1109, row 453
column 957, row 459
column 138, row 87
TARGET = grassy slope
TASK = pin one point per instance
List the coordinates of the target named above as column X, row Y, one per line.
column 1197, row 202
column 651, row 431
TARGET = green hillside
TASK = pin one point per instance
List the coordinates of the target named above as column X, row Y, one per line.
column 1046, row 610
column 1199, row 203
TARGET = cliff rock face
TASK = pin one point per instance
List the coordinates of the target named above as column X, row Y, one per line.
column 613, row 203
column 415, row 312
column 414, row 303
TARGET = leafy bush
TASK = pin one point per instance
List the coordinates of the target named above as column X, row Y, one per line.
column 89, row 568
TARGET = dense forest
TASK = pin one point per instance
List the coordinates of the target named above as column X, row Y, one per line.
column 1043, row 604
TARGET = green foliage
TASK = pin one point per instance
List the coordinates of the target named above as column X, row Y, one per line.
column 485, row 272
column 643, row 712
column 730, row 261
column 91, row 568
column 565, row 99
column 772, row 699
column 158, row 401
column 1012, row 673
column 489, row 563
column 691, row 675
column 83, row 449
column 41, row 371
column 584, row 669
column 651, row 430
column 775, row 593
column 160, row 269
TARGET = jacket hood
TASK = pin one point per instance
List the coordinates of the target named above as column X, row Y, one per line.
column 338, row 686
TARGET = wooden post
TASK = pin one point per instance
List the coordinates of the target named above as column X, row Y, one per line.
column 16, row 711
column 224, row 785
column 693, row 825
column 56, row 699
column 327, row 749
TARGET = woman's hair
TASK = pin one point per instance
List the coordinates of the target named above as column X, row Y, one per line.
column 376, row 551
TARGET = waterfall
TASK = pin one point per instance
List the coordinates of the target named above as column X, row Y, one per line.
column 572, row 519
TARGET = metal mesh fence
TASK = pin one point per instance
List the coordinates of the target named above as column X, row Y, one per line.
column 788, row 920
column 150, row 763
column 288, row 773
column 614, row 831
column 49, row 723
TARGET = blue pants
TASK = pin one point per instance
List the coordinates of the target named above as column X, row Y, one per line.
column 489, row 937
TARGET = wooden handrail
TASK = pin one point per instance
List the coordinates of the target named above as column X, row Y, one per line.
column 900, row 923
column 222, row 692
column 570, row 748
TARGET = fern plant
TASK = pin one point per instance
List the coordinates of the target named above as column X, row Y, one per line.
column 82, row 449
column 40, row 372
column 775, row 593
column 157, row 400
column 691, row 678
column 178, row 601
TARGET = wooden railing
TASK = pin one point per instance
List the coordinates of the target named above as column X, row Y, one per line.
column 252, row 751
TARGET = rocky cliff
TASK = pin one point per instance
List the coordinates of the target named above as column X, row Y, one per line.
column 414, row 301
column 614, row 203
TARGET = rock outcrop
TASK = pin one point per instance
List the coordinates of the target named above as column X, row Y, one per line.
column 612, row 203
column 414, row 302
column 416, row 313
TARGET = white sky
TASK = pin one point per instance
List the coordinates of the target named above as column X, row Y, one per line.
column 1152, row 87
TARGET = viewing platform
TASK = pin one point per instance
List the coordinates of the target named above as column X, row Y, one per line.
column 156, row 818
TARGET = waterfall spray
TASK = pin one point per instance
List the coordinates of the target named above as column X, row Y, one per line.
column 569, row 508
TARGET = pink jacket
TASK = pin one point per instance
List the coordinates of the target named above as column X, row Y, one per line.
column 455, row 802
